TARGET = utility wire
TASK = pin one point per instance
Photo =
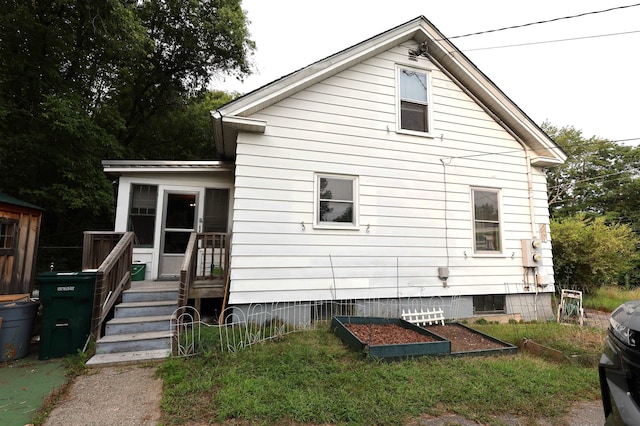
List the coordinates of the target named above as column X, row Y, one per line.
column 550, row 41
column 543, row 22
column 506, row 152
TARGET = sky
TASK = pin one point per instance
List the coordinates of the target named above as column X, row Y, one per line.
column 591, row 83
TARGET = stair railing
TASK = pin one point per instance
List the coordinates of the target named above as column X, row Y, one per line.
column 207, row 258
column 110, row 254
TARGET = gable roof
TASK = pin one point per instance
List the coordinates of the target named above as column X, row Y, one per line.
column 234, row 116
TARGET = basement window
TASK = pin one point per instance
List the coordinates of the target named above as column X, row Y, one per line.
column 489, row 304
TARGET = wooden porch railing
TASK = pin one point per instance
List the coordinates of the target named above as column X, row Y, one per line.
column 205, row 260
column 111, row 255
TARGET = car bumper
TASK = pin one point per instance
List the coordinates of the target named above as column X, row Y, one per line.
column 615, row 367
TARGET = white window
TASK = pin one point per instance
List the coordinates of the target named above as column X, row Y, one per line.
column 486, row 220
column 336, row 201
column 414, row 106
column 142, row 213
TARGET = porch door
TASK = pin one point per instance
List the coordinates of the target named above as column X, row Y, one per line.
column 179, row 222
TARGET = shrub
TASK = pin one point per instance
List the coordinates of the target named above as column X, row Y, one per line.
column 589, row 253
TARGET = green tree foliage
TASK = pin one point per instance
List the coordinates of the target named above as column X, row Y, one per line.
column 598, row 179
column 85, row 80
column 182, row 133
column 589, row 253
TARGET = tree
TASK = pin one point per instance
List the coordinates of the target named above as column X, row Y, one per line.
column 184, row 132
column 596, row 178
column 84, row 80
column 588, row 253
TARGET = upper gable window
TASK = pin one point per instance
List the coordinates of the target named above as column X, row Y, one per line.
column 414, row 100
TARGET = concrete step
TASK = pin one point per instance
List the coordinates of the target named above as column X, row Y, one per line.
column 134, row 342
column 104, row 360
column 130, row 325
column 149, row 294
column 143, row 309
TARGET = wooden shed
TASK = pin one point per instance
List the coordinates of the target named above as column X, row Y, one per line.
column 19, row 234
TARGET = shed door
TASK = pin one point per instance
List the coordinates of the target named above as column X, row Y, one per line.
column 179, row 222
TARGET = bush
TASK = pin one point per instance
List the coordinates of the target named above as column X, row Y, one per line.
column 588, row 253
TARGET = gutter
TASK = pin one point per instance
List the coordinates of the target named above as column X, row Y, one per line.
column 218, row 133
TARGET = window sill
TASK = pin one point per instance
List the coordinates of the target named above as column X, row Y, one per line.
column 488, row 254
column 337, row 227
column 415, row 133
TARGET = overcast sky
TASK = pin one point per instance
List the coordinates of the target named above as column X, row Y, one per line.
column 592, row 83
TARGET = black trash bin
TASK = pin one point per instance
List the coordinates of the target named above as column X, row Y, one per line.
column 67, row 306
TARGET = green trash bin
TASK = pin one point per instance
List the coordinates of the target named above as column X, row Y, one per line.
column 67, row 306
column 137, row 271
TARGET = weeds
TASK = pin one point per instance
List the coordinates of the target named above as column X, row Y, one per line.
column 608, row 298
column 311, row 377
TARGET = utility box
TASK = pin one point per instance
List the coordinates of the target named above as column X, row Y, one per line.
column 67, row 307
column 531, row 253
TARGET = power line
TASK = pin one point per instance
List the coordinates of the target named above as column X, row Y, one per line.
column 544, row 22
column 551, row 41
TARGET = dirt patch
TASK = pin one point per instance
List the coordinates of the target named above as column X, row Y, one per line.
column 127, row 396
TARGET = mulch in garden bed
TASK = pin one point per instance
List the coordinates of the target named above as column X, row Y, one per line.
column 386, row 334
column 462, row 338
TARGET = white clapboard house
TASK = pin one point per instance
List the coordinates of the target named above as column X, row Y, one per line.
column 394, row 169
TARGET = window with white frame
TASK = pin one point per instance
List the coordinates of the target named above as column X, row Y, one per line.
column 414, row 105
column 336, row 200
column 142, row 213
column 486, row 220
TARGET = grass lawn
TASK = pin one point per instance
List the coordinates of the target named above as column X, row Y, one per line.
column 608, row 298
column 311, row 377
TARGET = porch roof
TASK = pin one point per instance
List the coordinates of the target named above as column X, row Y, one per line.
column 117, row 167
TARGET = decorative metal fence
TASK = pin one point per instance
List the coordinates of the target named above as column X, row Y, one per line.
column 243, row 328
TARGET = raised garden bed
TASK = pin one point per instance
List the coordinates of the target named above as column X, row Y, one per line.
column 392, row 338
column 388, row 338
column 467, row 341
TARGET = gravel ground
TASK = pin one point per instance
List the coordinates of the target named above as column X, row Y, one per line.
column 126, row 396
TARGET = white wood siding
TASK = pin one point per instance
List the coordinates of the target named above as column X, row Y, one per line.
column 408, row 218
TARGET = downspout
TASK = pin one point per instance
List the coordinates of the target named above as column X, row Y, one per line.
column 218, row 133
column 527, row 157
column 508, row 130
